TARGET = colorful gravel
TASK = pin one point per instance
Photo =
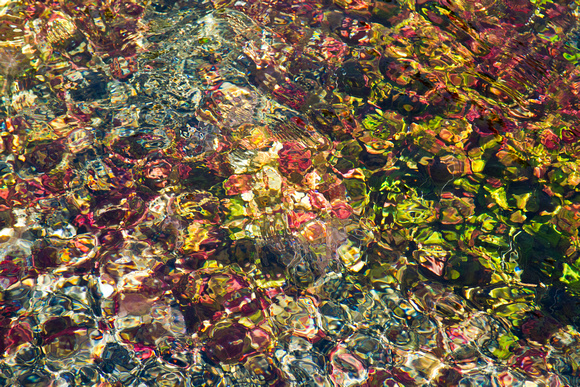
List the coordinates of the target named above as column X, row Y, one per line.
column 292, row 193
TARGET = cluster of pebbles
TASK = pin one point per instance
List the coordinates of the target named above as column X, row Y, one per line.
column 289, row 193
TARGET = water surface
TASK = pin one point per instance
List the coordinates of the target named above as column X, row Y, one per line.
column 277, row 193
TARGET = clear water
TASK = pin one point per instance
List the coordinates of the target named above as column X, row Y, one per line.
column 277, row 193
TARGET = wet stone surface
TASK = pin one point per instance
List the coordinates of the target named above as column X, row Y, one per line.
column 289, row 193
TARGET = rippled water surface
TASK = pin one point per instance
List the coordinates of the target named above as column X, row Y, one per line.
column 290, row 193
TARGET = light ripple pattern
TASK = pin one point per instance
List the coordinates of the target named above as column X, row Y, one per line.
column 289, row 193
